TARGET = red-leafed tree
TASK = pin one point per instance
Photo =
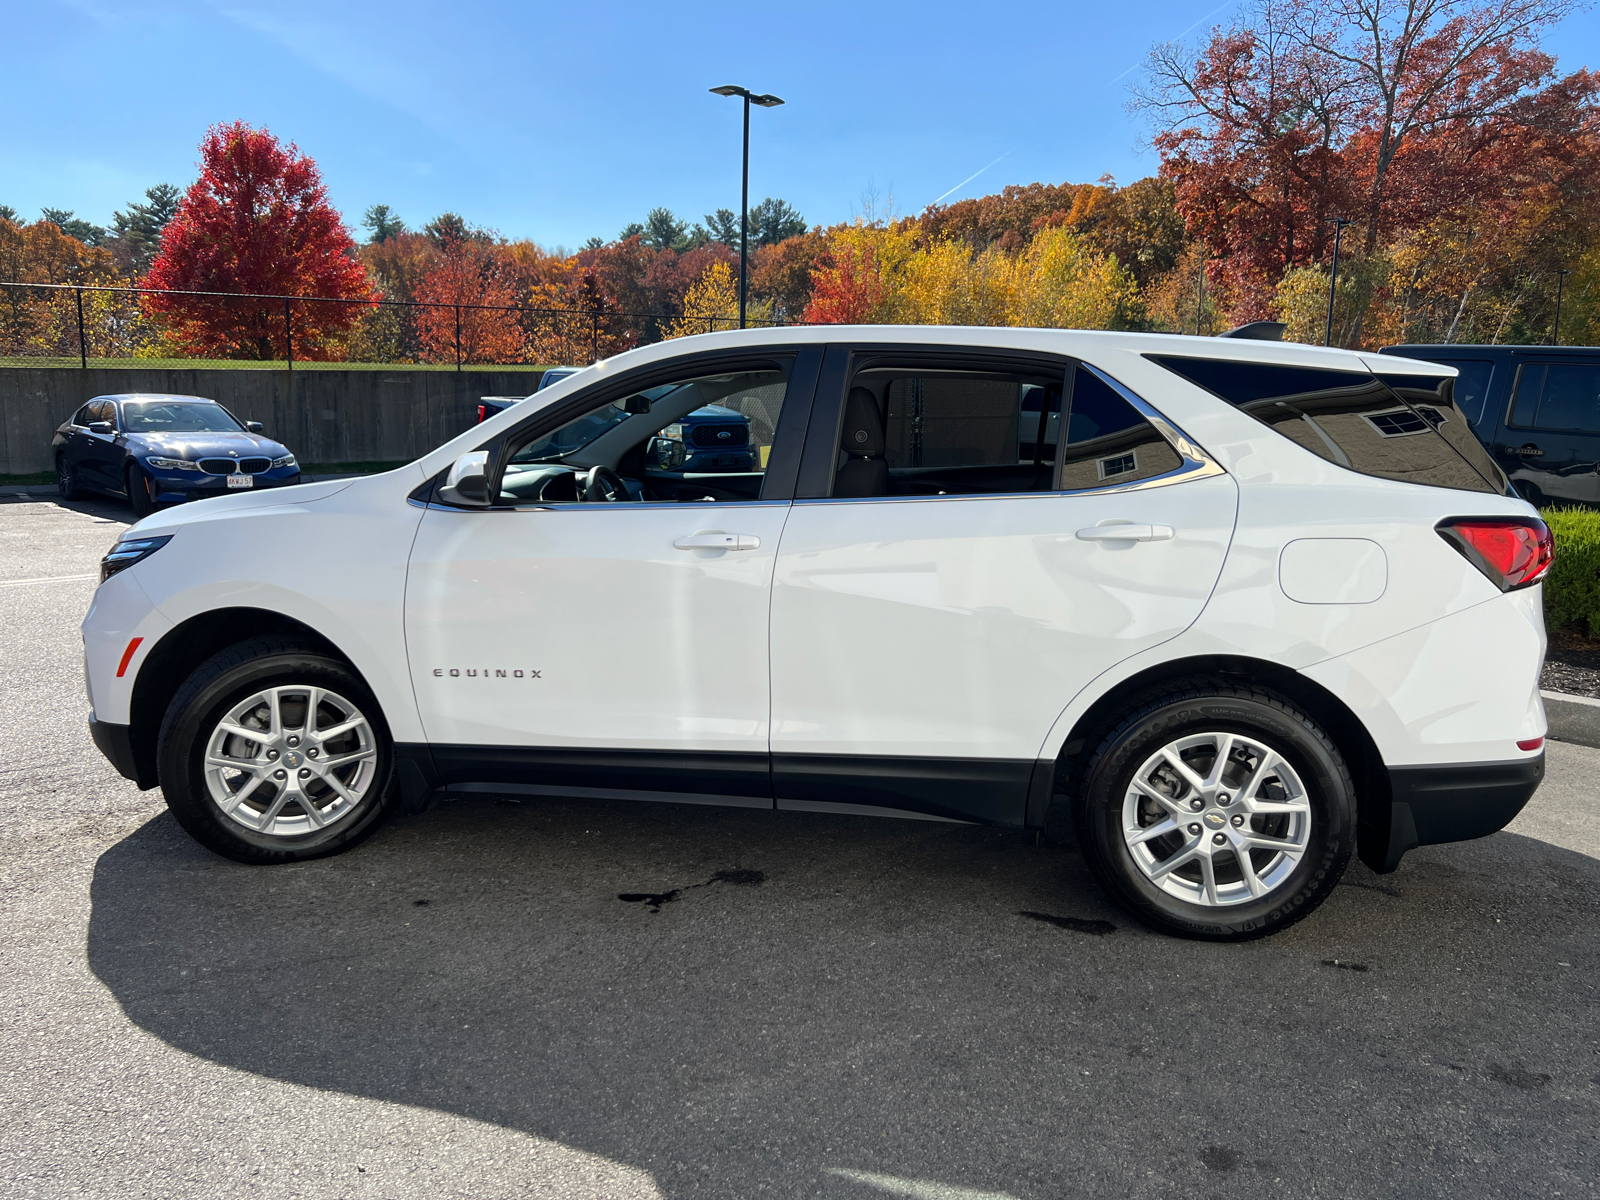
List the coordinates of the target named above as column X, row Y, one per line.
column 470, row 301
column 847, row 285
column 258, row 221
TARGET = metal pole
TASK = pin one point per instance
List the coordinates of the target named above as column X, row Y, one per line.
column 744, row 213
column 1333, row 283
column 288, row 336
column 83, row 346
column 1561, row 279
column 1200, row 304
column 594, row 336
column 458, row 337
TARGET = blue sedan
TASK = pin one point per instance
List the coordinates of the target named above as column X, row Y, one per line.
column 159, row 449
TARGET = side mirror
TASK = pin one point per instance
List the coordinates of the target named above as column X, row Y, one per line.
column 255, row 426
column 102, row 427
column 467, row 483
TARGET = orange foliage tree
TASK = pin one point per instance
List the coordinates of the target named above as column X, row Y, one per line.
column 471, row 302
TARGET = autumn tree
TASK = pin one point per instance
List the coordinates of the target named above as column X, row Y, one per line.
column 258, row 220
column 468, row 314
column 710, row 303
column 135, row 234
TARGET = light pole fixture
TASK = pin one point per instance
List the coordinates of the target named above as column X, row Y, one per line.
column 1561, row 279
column 764, row 101
column 1333, row 282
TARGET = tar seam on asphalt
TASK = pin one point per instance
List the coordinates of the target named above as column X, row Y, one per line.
column 737, row 876
column 1076, row 924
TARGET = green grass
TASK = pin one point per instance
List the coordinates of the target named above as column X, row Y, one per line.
column 36, row 477
column 235, row 364
column 1572, row 589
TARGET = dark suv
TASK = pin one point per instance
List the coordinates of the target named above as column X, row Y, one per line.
column 1537, row 409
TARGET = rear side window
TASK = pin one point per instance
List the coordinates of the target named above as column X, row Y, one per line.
column 1558, row 395
column 1353, row 419
column 1108, row 440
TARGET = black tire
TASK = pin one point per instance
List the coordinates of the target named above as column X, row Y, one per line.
column 138, row 485
column 1189, row 708
column 67, row 480
column 227, row 679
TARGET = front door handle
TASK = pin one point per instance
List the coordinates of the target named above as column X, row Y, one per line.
column 1126, row 533
column 717, row 540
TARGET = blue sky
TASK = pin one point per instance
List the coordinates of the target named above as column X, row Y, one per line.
column 558, row 122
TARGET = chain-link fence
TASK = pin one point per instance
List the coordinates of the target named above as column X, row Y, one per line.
column 60, row 323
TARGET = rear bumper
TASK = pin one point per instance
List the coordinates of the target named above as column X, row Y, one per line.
column 1449, row 803
column 116, row 743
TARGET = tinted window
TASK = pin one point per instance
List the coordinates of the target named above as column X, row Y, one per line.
column 1108, row 440
column 1350, row 418
column 951, row 432
column 163, row 416
column 1558, row 396
column 1472, row 385
column 84, row 415
column 1432, row 398
column 708, row 437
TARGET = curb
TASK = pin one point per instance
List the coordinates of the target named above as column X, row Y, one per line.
column 1574, row 719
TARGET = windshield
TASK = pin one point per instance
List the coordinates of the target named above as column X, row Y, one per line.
column 162, row 416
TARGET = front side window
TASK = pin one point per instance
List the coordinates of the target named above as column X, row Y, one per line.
column 705, row 438
column 1560, row 396
column 159, row 416
column 1412, row 433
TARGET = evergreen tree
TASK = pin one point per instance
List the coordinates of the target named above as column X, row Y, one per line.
column 62, row 219
column 139, row 228
column 772, row 221
column 381, row 221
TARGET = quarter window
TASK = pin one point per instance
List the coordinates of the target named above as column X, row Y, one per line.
column 1108, row 439
column 1406, row 429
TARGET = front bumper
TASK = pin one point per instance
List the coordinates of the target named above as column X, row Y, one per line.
column 1452, row 802
column 176, row 487
column 116, row 743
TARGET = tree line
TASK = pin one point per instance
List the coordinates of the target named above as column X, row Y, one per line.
column 1437, row 135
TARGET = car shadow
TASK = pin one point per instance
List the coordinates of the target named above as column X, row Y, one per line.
column 742, row 1001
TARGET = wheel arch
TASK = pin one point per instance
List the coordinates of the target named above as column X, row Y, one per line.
column 183, row 648
column 1349, row 734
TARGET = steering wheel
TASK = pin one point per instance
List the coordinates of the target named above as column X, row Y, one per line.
column 602, row 483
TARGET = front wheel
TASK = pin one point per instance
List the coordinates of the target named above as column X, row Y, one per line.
column 272, row 753
column 1216, row 810
column 140, row 493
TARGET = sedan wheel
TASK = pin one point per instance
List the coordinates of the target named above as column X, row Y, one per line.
column 67, row 480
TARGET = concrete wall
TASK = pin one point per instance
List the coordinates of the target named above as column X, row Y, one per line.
column 322, row 416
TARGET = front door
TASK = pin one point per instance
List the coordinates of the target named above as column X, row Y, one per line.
column 604, row 632
column 931, row 624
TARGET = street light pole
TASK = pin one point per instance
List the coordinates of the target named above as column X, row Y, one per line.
column 1561, row 279
column 764, row 101
column 1333, row 283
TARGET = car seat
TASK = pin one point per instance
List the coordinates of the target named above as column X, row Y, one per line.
column 864, row 471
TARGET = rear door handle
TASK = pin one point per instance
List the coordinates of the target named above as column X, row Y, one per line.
column 717, row 540
column 1530, row 450
column 1126, row 533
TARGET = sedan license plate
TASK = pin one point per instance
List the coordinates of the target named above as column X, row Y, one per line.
column 241, row 481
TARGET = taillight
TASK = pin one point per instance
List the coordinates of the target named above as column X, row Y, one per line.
column 483, row 411
column 1512, row 553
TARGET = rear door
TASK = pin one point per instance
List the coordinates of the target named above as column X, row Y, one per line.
column 932, row 618
column 1552, row 432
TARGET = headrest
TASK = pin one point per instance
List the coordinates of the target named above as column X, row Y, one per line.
column 863, row 427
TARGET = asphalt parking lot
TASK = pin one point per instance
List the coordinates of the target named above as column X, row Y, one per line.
column 805, row 1007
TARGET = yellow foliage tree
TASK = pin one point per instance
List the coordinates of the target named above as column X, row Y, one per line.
column 712, row 303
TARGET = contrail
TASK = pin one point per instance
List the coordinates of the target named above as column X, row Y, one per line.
column 1185, row 33
column 980, row 171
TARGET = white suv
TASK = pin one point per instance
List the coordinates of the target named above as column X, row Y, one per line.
column 1232, row 610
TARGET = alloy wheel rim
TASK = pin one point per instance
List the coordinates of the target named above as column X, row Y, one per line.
column 1216, row 819
column 291, row 760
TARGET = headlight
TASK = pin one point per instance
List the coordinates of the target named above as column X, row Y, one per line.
column 173, row 464
column 129, row 551
column 286, row 461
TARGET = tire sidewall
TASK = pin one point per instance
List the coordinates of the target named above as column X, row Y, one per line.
column 1328, row 789
column 186, row 732
column 66, row 479
column 134, row 480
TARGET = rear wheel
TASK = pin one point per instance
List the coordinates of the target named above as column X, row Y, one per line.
column 1215, row 810
column 140, row 490
column 67, row 480
column 272, row 753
